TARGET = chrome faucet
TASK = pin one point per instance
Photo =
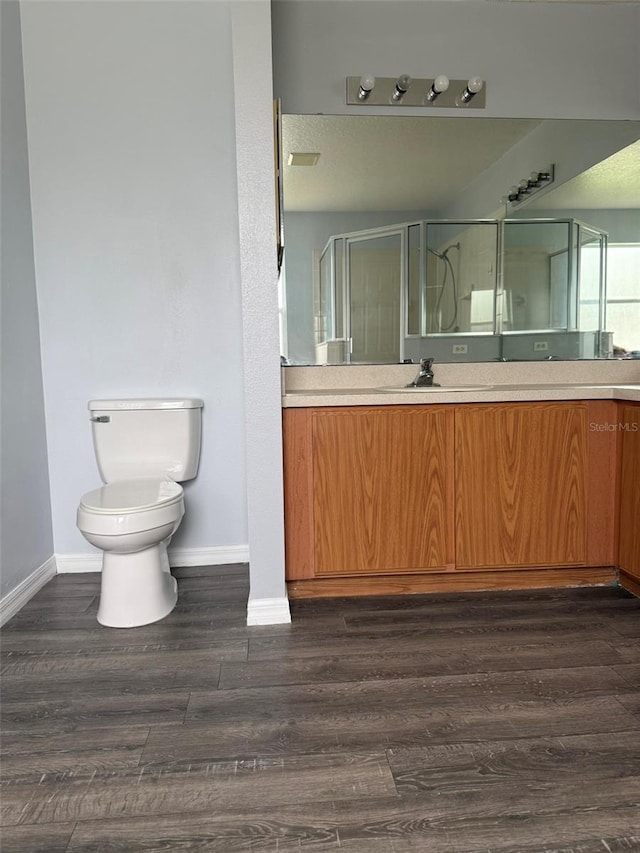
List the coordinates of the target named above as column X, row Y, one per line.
column 425, row 377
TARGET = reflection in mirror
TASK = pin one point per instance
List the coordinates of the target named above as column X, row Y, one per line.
column 415, row 307
column 537, row 273
column 524, row 288
column 380, row 266
column 374, row 292
column 462, row 277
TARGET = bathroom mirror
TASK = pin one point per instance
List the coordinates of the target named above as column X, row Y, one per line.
column 376, row 174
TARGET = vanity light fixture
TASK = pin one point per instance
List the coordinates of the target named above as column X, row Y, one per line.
column 474, row 85
column 439, row 85
column 529, row 186
column 367, row 84
column 401, row 88
column 537, row 179
column 423, row 92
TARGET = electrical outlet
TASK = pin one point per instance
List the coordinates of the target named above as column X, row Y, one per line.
column 459, row 349
column 540, row 346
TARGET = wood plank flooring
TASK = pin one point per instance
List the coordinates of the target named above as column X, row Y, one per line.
column 502, row 722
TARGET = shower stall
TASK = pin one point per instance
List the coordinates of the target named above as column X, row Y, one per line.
column 461, row 290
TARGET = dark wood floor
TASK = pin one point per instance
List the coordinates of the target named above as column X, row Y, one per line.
column 446, row 724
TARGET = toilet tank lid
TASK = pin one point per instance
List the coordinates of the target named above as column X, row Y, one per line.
column 149, row 403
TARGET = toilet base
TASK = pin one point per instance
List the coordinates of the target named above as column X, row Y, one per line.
column 137, row 589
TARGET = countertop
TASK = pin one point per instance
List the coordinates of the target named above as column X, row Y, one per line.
column 498, row 393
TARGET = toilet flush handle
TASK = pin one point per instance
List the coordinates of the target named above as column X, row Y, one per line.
column 100, row 419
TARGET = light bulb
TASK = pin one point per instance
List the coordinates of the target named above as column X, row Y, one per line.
column 475, row 84
column 367, row 82
column 402, row 85
column 439, row 85
column 472, row 88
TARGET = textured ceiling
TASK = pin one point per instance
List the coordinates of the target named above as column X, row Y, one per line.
column 406, row 163
column 613, row 184
column 396, row 163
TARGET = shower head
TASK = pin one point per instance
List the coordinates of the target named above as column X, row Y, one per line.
column 443, row 254
column 446, row 251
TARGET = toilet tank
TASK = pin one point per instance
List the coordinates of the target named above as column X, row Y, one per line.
column 147, row 438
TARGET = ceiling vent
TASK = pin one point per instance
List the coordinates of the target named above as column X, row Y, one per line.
column 303, row 158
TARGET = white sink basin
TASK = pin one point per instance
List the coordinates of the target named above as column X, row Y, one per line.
column 421, row 389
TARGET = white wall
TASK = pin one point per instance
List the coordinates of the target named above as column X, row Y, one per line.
column 251, row 23
column 131, row 125
column 546, row 60
column 26, row 537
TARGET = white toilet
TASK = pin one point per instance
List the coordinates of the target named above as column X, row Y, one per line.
column 144, row 449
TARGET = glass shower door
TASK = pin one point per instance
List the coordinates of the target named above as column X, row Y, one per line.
column 375, row 276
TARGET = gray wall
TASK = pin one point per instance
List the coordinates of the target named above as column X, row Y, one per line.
column 26, row 537
column 135, row 215
column 151, row 156
column 622, row 226
column 546, row 60
column 251, row 25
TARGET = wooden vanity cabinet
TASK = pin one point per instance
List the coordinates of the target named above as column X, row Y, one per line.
column 368, row 490
column 629, row 556
column 416, row 498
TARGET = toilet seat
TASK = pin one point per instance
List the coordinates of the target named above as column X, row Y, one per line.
column 131, row 496
column 130, row 506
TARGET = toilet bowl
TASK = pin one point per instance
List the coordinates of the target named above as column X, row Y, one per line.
column 144, row 449
column 132, row 522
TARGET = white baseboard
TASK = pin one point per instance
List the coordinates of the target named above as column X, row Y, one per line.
column 268, row 611
column 260, row 611
column 26, row 589
column 69, row 564
column 214, row 556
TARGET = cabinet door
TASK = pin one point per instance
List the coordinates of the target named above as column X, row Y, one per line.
column 520, row 485
column 630, row 494
column 298, row 493
column 382, row 489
